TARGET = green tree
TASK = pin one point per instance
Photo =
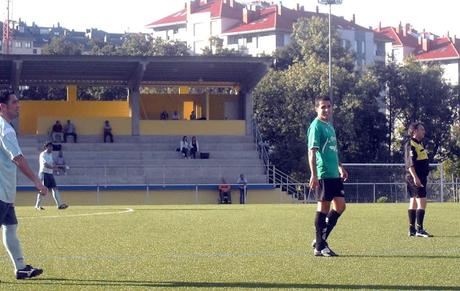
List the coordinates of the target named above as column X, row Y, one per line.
column 284, row 100
column 100, row 48
column 62, row 46
column 216, row 47
column 417, row 92
column 136, row 45
column 161, row 47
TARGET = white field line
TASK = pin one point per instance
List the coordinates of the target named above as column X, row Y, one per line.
column 128, row 210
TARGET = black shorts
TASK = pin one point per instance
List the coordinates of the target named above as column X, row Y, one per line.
column 414, row 191
column 7, row 214
column 48, row 181
column 329, row 189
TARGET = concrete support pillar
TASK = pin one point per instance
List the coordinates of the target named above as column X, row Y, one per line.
column 248, row 111
column 207, row 107
column 134, row 107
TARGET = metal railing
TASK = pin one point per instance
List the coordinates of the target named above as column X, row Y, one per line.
column 293, row 187
column 261, row 145
column 394, row 191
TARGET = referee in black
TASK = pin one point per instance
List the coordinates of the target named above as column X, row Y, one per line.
column 417, row 170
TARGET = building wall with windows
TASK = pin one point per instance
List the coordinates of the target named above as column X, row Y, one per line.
column 259, row 28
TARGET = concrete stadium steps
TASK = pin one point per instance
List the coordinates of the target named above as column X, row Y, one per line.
column 120, row 139
column 140, row 179
column 147, row 155
column 151, row 159
column 157, row 146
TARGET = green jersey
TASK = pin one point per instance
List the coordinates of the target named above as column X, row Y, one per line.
column 321, row 135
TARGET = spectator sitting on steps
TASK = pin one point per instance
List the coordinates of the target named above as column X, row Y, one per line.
column 164, row 115
column 57, row 131
column 60, row 164
column 185, row 147
column 69, row 129
column 108, row 131
column 175, row 115
column 194, row 147
column 225, row 193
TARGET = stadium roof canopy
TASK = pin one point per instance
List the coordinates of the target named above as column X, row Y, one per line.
column 131, row 71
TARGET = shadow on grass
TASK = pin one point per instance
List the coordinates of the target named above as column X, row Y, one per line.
column 176, row 284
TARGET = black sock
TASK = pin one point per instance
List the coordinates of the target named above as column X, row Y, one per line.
column 320, row 226
column 412, row 215
column 332, row 218
column 420, row 216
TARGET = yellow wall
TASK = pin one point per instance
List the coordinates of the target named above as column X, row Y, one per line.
column 171, row 197
column 37, row 117
column 32, row 111
column 192, row 127
column 86, row 125
column 153, row 104
column 217, row 105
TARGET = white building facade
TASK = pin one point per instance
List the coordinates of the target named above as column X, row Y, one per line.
column 257, row 29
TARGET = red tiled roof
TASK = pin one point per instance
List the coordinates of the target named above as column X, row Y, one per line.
column 398, row 38
column 217, row 8
column 261, row 20
column 269, row 19
column 440, row 48
column 180, row 16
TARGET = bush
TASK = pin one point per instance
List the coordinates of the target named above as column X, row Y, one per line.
column 383, row 199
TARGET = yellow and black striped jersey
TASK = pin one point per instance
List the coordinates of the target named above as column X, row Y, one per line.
column 416, row 156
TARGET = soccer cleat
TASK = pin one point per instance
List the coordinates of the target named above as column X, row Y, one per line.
column 39, row 208
column 313, row 244
column 63, row 206
column 423, row 233
column 411, row 232
column 28, row 272
column 326, row 252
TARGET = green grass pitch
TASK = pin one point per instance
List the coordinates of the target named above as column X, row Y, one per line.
column 234, row 247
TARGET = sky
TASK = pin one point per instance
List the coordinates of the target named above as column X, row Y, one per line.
column 437, row 16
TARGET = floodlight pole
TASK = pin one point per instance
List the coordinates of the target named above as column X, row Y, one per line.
column 330, row 2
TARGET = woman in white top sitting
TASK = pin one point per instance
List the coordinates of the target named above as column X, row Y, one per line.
column 185, row 147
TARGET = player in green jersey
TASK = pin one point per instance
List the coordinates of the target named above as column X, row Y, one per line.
column 327, row 175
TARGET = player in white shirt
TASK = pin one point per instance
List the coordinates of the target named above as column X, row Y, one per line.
column 11, row 158
column 46, row 175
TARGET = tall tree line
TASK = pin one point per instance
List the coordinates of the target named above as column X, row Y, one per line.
column 372, row 108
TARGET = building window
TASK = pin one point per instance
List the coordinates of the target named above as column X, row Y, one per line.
column 17, row 44
column 27, row 44
column 249, row 39
column 380, row 51
column 232, row 39
column 346, row 44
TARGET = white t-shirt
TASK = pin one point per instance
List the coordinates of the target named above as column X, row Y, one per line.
column 9, row 149
column 46, row 157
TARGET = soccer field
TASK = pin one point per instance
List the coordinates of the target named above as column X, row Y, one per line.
column 209, row 247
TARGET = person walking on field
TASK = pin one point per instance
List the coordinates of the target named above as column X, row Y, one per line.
column 47, row 168
column 417, row 170
column 327, row 175
column 11, row 158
